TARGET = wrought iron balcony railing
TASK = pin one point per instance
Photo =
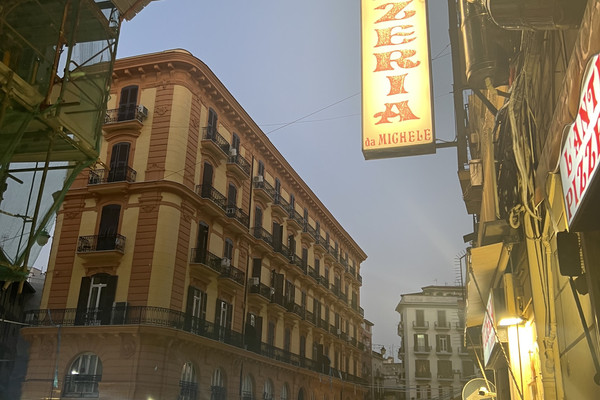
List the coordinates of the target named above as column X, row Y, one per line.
column 262, row 234
column 238, row 214
column 209, row 192
column 163, row 317
column 126, row 113
column 210, row 133
column 262, row 184
column 81, row 385
column 117, row 174
column 91, row 243
column 240, row 162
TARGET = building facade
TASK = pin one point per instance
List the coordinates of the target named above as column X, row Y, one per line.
column 530, row 134
column 193, row 262
column 435, row 361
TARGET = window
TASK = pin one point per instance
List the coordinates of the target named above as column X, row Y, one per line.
column 441, row 319
column 268, row 390
column 287, row 339
column 271, row 334
column 195, row 310
column 304, row 258
column 109, row 225
column 318, row 266
column 290, row 292
column 445, row 392
column 119, row 162
column 468, row 369
column 422, row 369
column 235, row 143
column 96, row 298
column 247, row 388
column 284, row 392
column 261, row 168
column 223, row 317
column 188, row 386
column 217, row 386
column 443, row 344
column 277, row 236
column 83, row 376
column 199, row 253
column 302, row 347
column 128, row 103
column 228, row 249
column 277, row 190
column 253, row 332
column 231, row 200
column 444, row 368
column 292, row 201
column 207, row 178
column 420, row 318
column 423, row 391
column 421, row 342
column 258, row 218
column 292, row 244
column 211, row 129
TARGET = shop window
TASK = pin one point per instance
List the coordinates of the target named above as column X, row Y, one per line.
column 83, row 376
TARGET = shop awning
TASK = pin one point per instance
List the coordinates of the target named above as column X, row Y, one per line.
column 487, row 264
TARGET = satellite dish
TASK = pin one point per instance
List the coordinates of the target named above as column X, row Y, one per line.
column 478, row 389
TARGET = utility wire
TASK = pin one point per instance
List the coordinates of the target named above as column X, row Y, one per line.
column 312, row 113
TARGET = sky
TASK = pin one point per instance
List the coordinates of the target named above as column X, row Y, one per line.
column 295, row 67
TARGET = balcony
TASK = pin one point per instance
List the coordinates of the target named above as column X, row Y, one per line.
column 313, row 274
column 308, row 232
column 263, row 190
column 280, row 206
column 295, row 220
column 214, row 144
column 206, row 258
column 282, row 251
column 260, row 289
column 323, row 282
column 420, row 325
column 442, row 326
column 321, row 245
column 238, row 166
column 231, row 273
column 172, row 319
column 108, row 249
column 294, row 308
column 126, row 118
column 297, row 261
column 443, row 351
column 217, row 203
column 332, row 253
column 125, row 114
column 445, row 376
column 117, row 174
column 423, row 374
column 237, row 214
column 422, row 349
column 265, row 238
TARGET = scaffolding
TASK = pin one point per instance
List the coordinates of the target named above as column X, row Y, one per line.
column 56, row 60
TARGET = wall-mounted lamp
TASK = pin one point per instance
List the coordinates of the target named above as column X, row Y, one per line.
column 509, row 320
column 43, row 237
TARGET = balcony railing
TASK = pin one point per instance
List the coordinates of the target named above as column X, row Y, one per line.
column 261, row 289
column 441, row 326
column 210, row 133
column 310, row 230
column 201, row 256
column 209, row 192
column 126, row 113
column 188, row 390
column 163, row 317
column 420, row 324
column 296, row 216
column 218, row 393
column 423, row 374
column 422, row 349
column 262, row 234
column 240, row 162
column 231, row 272
column 262, row 184
column 238, row 214
column 117, row 174
column 81, row 385
column 91, row 243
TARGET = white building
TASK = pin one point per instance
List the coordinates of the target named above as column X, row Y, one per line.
column 431, row 327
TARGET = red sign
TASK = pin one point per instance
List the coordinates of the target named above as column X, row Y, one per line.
column 579, row 157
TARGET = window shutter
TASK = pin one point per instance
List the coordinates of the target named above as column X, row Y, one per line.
column 107, row 298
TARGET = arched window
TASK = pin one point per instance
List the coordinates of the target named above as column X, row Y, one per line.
column 217, row 386
column 188, row 385
column 301, row 394
column 247, row 388
column 268, row 390
column 284, row 392
column 83, row 376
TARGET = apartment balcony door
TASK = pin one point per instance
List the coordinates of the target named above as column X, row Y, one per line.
column 223, row 320
column 202, row 243
column 207, row 178
column 127, row 103
column 119, row 162
column 109, row 224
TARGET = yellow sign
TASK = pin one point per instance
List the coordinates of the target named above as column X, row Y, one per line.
column 397, row 111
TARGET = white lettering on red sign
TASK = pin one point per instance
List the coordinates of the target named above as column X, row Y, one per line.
column 579, row 157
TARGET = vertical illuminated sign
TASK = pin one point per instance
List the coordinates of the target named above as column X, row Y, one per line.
column 397, row 111
column 580, row 152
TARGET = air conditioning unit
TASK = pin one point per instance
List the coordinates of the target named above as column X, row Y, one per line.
column 254, row 281
column 225, row 262
column 258, row 178
column 339, row 331
column 143, row 111
column 233, row 152
column 230, row 210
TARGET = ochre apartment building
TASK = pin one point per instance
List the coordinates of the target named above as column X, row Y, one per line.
column 193, row 262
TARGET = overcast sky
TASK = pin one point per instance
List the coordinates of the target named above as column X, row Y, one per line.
column 287, row 61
